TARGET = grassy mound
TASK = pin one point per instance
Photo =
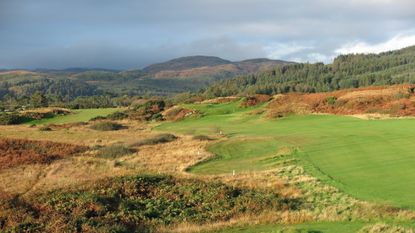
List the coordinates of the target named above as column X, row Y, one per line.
column 107, row 126
column 161, row 138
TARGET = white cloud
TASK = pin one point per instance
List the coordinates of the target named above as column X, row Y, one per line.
column 279, row 51
column 318, row 57
column 397, row 42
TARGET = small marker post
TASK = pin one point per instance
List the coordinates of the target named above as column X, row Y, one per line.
column 233, row 172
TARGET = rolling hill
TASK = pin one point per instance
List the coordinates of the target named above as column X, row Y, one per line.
column 174, row 76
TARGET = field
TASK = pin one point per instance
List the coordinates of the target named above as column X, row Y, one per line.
column 369, row 159
column 226, row 169
column 81, row 115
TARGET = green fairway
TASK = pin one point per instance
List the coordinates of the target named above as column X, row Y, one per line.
column 81, row 115
column 369, row 159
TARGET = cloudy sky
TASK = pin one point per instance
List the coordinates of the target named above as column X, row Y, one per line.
column 127, row 34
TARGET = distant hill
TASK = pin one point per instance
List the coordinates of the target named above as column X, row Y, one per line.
column 174, row 76
column 208, row 67
column 185, row 63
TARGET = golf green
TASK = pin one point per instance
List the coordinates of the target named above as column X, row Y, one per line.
column 370, row 159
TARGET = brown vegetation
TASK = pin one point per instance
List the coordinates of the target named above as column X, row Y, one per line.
column 255, row 100
column 195, row 72
column 394, row 101
column 16, row 152
column 221, row 100
column 178, row 113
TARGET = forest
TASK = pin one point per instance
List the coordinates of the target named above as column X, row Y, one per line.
column 347, row 71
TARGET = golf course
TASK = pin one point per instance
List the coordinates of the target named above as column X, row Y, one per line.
column 371, row 160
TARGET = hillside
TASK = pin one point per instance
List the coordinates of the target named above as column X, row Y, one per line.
column 347, row 71
column 174, row 76
column 213, row 68
column 185, row 63
column 217, row 76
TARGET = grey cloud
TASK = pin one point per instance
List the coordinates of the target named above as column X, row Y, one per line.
column 131, row 34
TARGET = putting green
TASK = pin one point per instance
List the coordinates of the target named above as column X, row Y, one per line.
column 370, row 159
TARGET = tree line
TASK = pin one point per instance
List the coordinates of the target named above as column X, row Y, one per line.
column 347, row 71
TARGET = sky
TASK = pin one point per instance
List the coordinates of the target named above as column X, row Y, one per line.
column 130, row 34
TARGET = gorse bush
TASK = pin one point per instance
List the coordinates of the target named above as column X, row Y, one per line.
column 114, row 151
column 107, row 126
column 331, row 100
column 161, row 138
column 138, row 204
column 117, row 116
column 17, row 152
column 11, row 119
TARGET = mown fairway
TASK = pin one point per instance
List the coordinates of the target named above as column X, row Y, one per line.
column 370, row 159
column 81, row 115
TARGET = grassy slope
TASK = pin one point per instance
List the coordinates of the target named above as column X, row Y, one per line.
column 372, row 160
column 320, row 227
column 81, row 115
column 324, row 227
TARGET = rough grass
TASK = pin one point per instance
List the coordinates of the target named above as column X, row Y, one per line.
column 202, row 138
column 371, row 160
column 114, row 151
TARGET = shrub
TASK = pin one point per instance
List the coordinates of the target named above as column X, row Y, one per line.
column 331, row 100
column 149, row 110
column 202, row 138
column 98, row 118
column 162, row 138
column 11, row 119
column 156, row 117
column 141, row 203
column 114, row 151
column 107, row 126
column 117, row 116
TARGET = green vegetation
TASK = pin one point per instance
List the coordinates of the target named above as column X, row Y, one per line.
column 81, row 115
column 106, row 126
column 347, row 71
column 135, row 204
column 238, row 154
column 371, row 160
column 11, row 119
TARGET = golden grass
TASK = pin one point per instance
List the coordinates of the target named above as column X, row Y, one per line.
column 168, row 158
column 173, row 158
column 79, row 134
